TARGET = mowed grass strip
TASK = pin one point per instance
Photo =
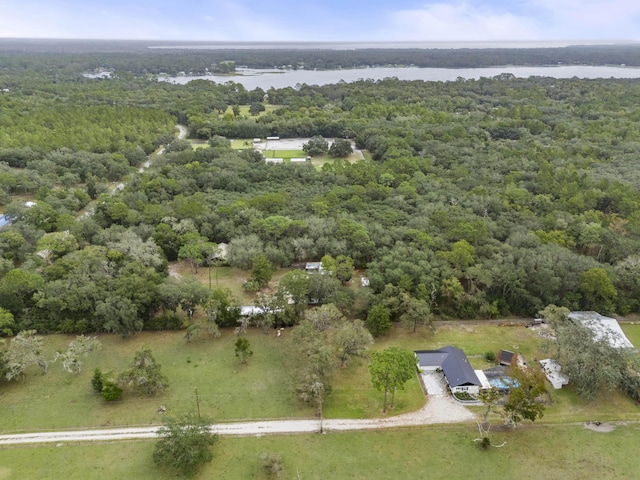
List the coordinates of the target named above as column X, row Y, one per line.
column 569, row 452
column 242, row 143
column 286, row 154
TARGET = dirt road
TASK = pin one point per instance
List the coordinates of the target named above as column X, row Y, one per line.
column 439, row 409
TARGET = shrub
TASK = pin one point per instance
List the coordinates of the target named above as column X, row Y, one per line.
column 97, row 381
column 111, row 392
column 185, row 444
column 251, row 286
column 490, row 356
column 163, row 322
column 271, row 463
column 463, row 396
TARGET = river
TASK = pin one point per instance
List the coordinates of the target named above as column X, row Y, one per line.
column 265, row 79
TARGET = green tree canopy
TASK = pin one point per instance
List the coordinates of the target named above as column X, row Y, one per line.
column 185, row 444
column 143, row 374
column 390, row 369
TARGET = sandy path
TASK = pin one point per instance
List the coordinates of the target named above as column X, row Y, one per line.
column 439, row 409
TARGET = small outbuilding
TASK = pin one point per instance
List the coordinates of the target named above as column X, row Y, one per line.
column 507, row 358
column 314, row 267
column 553, row 373
column 602, row 327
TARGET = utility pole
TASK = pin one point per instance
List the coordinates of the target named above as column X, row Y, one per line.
column 197, row 402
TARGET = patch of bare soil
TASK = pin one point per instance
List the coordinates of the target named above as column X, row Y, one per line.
column 173, row 271
column 599, row 426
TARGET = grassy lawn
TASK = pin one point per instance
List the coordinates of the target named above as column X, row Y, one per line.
column 265, row 388
column 367, row 154
column 320, row 160
column 242, row 143
column 262, row 389
column 569, row 452
column 227, row 391
column 632, row 331
column 353, row 396
column 244, row 110
column 227, row 277
column 196, row 144
column 285, row 154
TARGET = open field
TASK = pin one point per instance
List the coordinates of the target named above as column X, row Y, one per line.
column 294, row 151
column 286, row 154
column 242, row 143
column 196, row 144
column 632, row 331
column 226, row 277
column 569, row 452
column 244, row 110
column 320, row 160
column 263, row 389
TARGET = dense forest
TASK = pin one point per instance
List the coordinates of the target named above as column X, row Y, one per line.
column 153, row 58
column 476, row 198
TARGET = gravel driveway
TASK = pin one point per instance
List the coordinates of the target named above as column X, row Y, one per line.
column 437, row 410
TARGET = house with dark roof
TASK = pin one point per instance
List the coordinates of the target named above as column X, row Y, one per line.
column 454, row 365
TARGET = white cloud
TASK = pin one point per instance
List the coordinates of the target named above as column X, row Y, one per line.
column 613, row 19
column 141, row 19
column 38, row 19
column 532, row 20
column 241, row 20
column 230, row 20
column 457, row 22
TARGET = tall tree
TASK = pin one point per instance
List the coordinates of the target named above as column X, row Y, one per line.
column 378, row 320
column 262, row 271
column 341, row 147
column 77, row 348
column 243, row 350
column 295, row 285
column 352, row 339
column 316, row 145
column 144, row 374
column 592, row 364
column 597, row 290
column 7, row 323
column 118, row 315
column 185, row 444
column 24, row 350
column 417, row 312
column 390, row 369
column 523, row 400
column 195, row 249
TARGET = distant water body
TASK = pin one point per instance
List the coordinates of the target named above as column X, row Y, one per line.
column 265, row 79
column 375, row 45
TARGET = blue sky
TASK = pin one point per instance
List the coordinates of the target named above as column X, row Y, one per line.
column 324, row 20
